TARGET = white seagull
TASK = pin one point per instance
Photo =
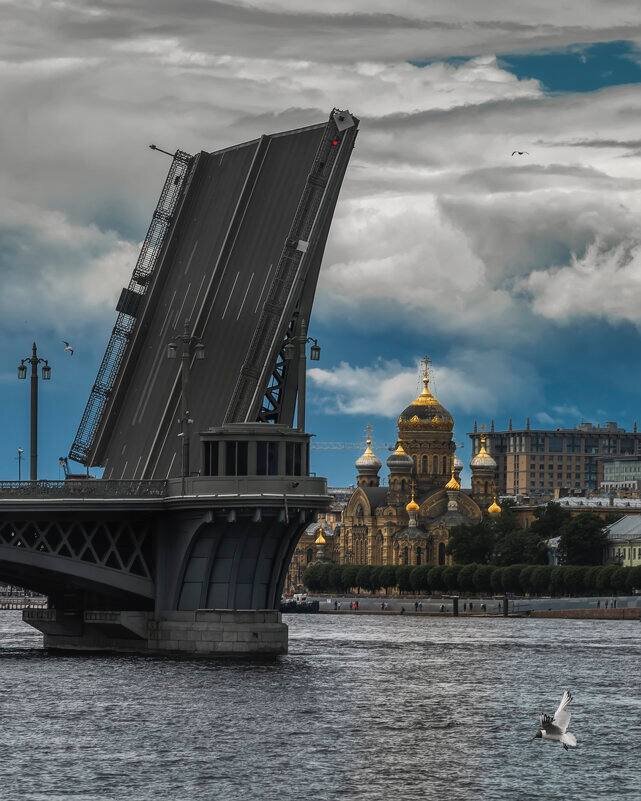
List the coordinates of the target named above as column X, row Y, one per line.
column 68, row 348
column 556, row 728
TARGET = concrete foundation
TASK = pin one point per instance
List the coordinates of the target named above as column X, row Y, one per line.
column 203, row 632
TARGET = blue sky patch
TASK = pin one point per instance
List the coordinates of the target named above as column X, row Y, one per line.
column 579, row 68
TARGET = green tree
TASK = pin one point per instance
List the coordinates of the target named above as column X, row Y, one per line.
column 418, row 578
column 403, row 573
column 450, row 577
column 510, row 579
column 364, row 577
column 582, row 540
column 520, row 546
column 557, row 580
column 466, row 577
column 435, row 579
column 590, row 579
column 618, row 580
column 549, row 521
column 635, row 579
column 472, row 544
column 496, row 579
column 540, row 579
column 483, row 578
column 336, row 576
column 388, row 576
column 603, row 579
column 350, row 574
column 574, row 580
column 525, row 579
column 317, row 576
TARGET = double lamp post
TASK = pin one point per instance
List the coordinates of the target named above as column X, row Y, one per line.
column 34, row 360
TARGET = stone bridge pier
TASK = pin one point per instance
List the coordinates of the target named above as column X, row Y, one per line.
column 185, row 566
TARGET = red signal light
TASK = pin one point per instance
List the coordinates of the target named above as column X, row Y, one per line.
column 335, row 142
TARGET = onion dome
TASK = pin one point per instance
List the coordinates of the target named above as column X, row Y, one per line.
column 494, row 508
column 483, row 460
column 320, row 540
column 399, row 461
column 368, row 461
column 453, row 484
column 412, row 506
column 425, row 413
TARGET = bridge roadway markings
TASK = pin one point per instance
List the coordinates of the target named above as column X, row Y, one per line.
column 193, row 308
column 177, row 320
column 193, row 250
column 231, row 292
column 155, row 366
column 260, row 297
column 251, row 278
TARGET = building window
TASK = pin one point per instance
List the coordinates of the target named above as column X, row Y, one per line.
column 435, row 464
column 418, row 556
column 293, row 460
column 406, row 556
column 309, row 555
column 267, row 459
column 210, row 458
column 236, row 459
column 441, row 553
column 424, row 467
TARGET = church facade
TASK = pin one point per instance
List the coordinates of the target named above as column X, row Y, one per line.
column 407, row 521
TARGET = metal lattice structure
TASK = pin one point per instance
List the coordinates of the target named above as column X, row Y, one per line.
column 129, row 305
column 119, row 545
column 270, row 410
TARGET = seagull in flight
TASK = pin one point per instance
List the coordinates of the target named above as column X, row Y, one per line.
column 556, row 728
column 68, row 347
column 520, row 153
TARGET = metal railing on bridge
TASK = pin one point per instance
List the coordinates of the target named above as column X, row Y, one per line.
column 80, row 488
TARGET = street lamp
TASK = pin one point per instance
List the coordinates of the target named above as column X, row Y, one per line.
column 34, row 361
column 20, row 452
column 289, row 351
column 189, row 346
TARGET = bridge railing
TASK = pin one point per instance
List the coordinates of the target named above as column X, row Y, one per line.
column 80, row 488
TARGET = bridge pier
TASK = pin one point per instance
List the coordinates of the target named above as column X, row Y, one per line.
column 203, row 632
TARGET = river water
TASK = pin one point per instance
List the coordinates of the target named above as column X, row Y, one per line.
column 363, row 707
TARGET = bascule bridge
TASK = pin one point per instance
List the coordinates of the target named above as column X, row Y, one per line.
column 197, row 417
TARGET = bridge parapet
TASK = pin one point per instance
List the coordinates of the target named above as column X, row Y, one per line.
column 83, row 488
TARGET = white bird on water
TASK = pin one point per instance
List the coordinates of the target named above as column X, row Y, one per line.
column 556, row 728
column 68, row 347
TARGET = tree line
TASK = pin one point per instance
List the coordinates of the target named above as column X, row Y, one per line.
column 497, row 556
column 500, row 540
column 472, row 578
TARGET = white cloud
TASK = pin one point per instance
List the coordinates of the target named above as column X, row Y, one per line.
column 604, row 282
column 466, row 383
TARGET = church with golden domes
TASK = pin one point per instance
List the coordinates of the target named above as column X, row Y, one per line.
column 408, row 522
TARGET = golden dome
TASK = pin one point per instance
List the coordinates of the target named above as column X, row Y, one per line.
column 412, row 506
column 425, row 412
column 320, row 540
column 494, row 508
column 453, row 483
column 483, row 458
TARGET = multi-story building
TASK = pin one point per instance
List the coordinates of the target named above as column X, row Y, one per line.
column 620, row 474
column 537, row 462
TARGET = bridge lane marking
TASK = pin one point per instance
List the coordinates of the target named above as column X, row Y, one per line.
column 122, row 475
column 146, row 390
column 251, row 278
column 193, row 308
column 193, row 250
column 137, row 466
column 179, row 312
column 231, row 292
column 262, row 291
column 171, row 464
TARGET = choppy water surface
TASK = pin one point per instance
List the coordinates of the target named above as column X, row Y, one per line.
column 362, row 708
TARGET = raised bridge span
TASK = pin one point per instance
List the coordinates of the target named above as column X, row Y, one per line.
column 197, row 416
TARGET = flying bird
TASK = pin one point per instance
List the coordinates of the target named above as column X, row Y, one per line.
column 556, row 728
column 520, row 153
column 68, row 347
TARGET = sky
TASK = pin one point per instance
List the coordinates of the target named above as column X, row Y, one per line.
column 520, row 276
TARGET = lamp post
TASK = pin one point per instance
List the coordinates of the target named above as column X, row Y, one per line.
column 34, row 361
column 19, row 457
column 189, row 346
column 314, row 354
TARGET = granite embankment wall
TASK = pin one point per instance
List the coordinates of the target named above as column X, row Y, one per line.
column 625, row 613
